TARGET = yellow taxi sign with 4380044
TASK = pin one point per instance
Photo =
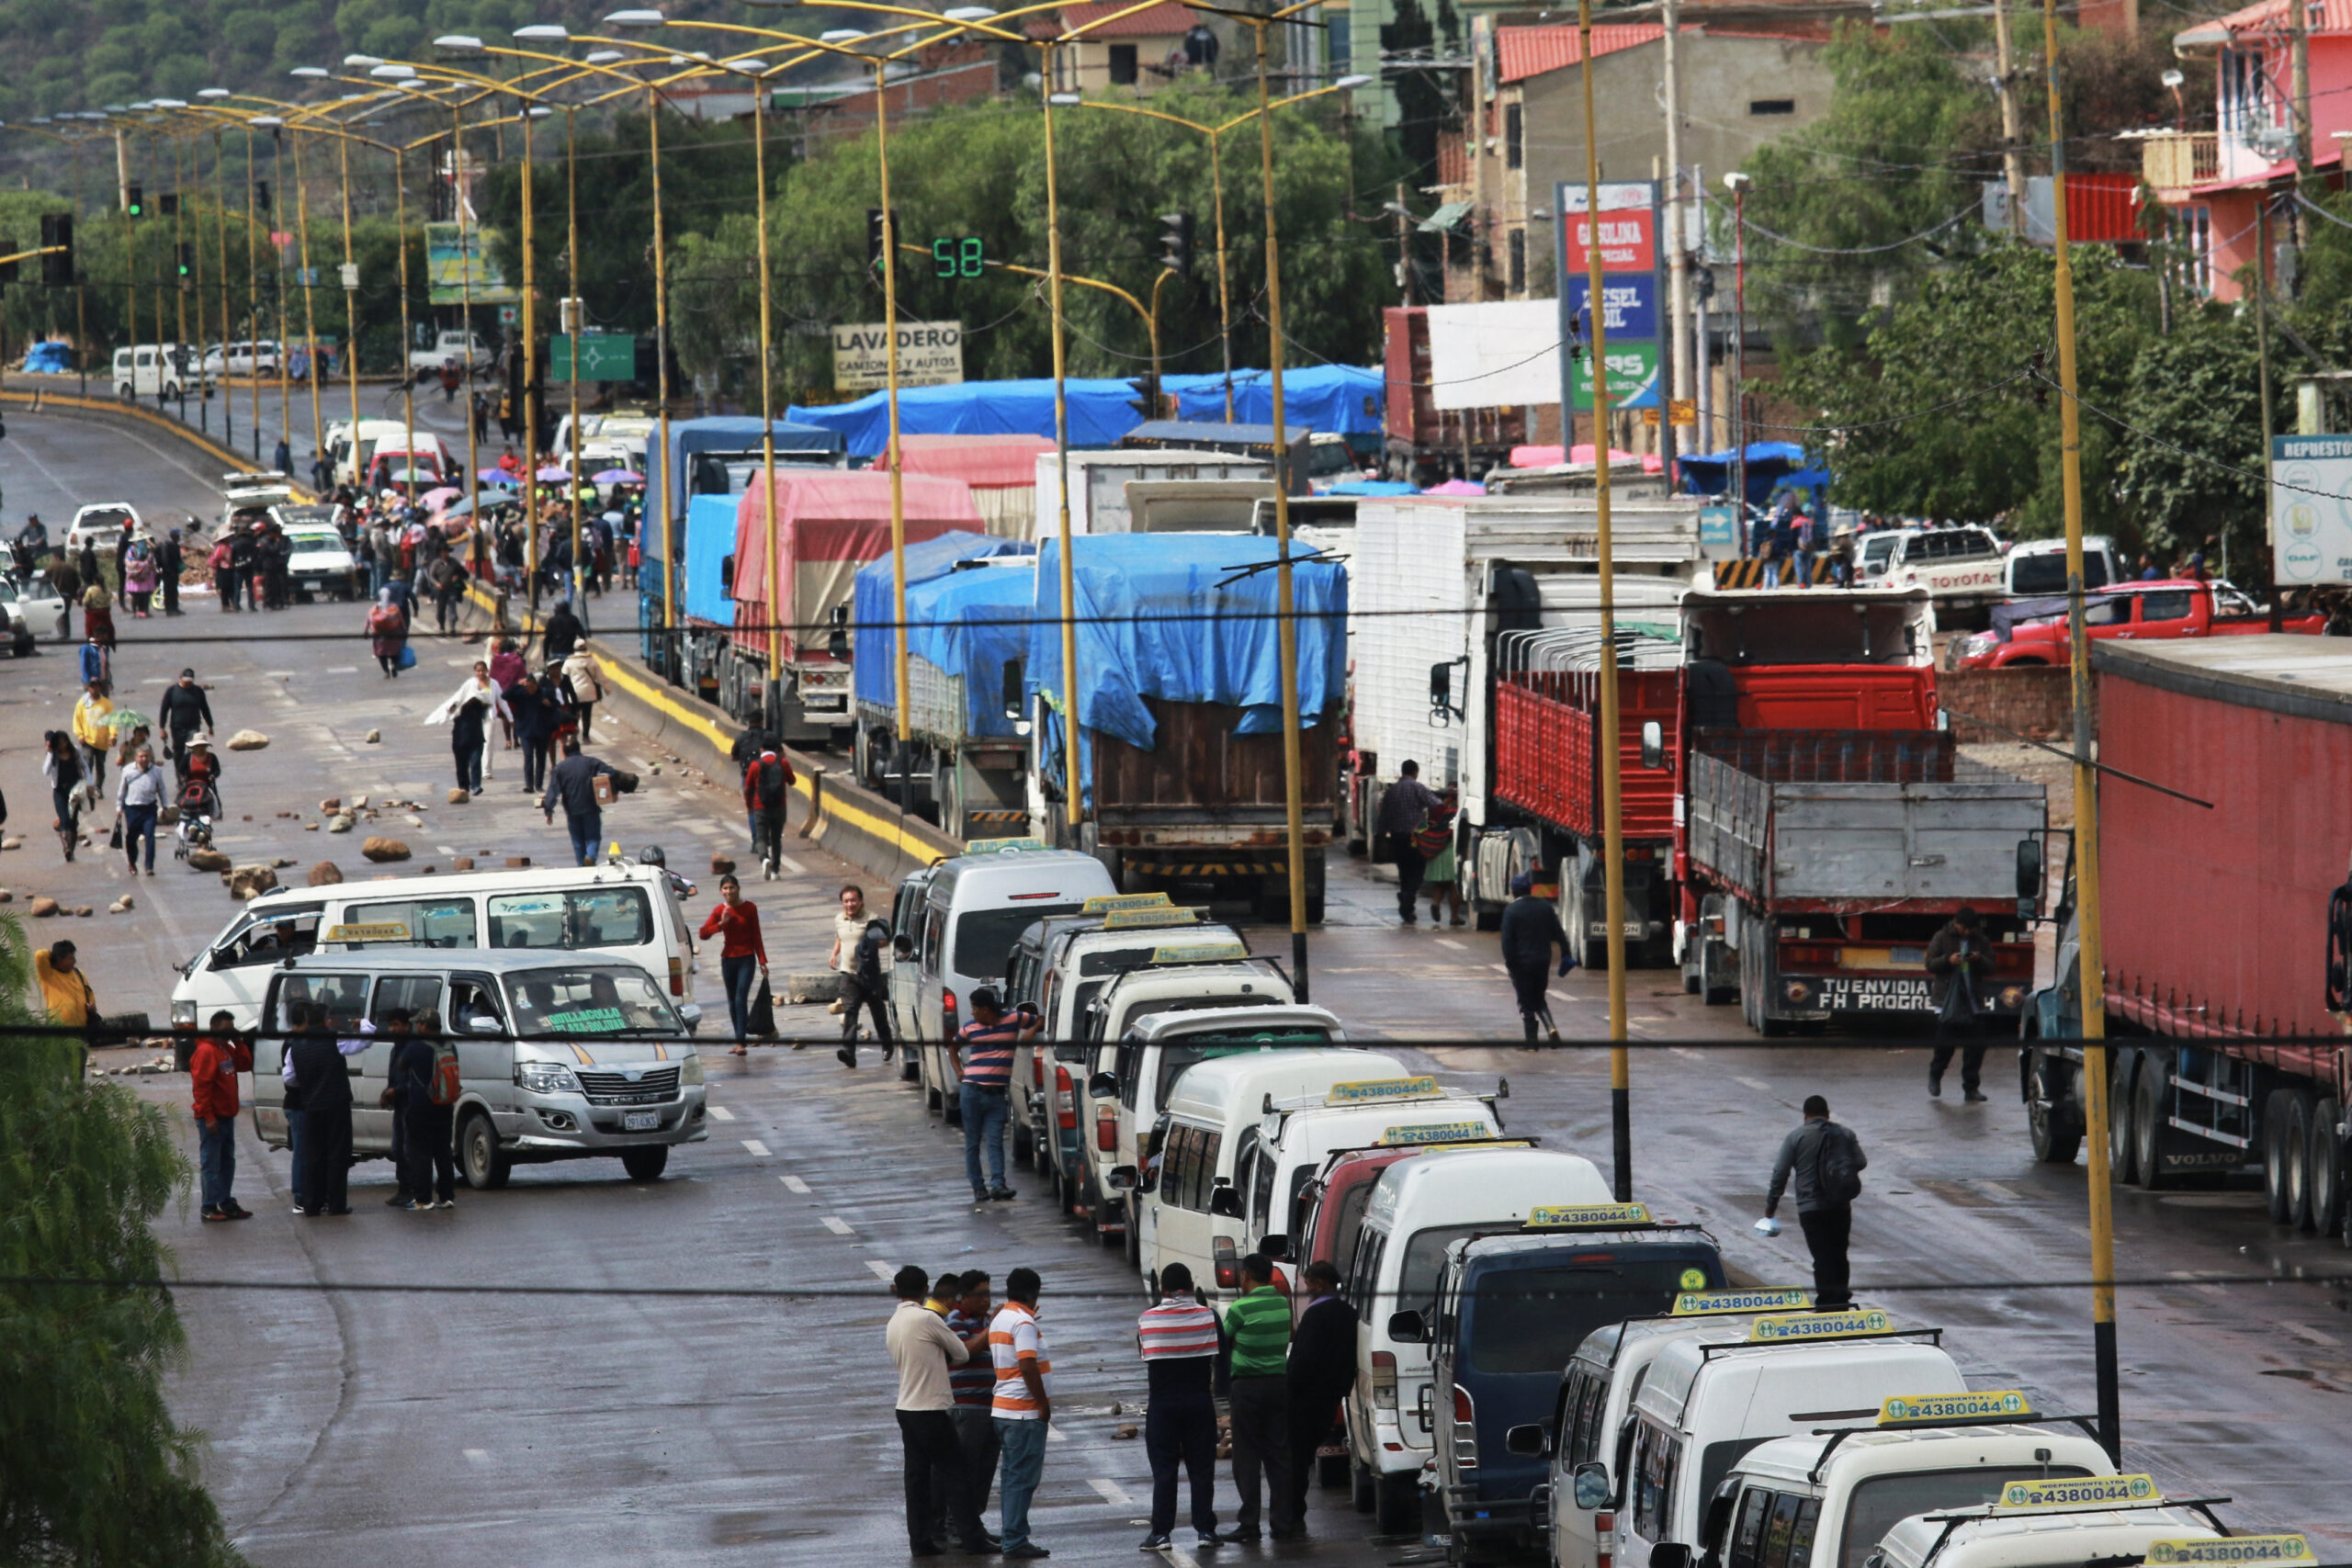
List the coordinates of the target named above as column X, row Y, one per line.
column 2079, row 1492
column 1200, row 952
column 1434, row 1132
column 1992, row 1405
column 1709, row 1303
column 1818, row 1326
column 1586, row 1216
column 1106, row 903
column 2229, row 1551
column 378, row 931
column 1369, row 1092
column 1143, row 920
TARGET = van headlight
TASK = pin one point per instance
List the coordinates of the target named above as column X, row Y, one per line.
column 546, row 1078
column 183, row 1015
column 690, row 1070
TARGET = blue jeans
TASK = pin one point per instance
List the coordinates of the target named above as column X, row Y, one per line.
column 138, row 823
column 216, row 1159
column 1022, row 1462
column 587, row 831
column 739, row 974
column 294, row 1150
column 985, row 1111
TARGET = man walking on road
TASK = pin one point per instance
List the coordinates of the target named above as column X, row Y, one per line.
column 982, row 1057
column 1322, row 1370
column 1405, row 806
column 171, row 560
column 1024, row 1407
column 767, row 790
column 1530, row 930
column 1957, row 956
column 1827, row 1162
column 1179, row 1339
column 183, row 711
column 212, row 1068
column 1259, row 1324
column 139, row 797
column 573, row 782
column 922, row 1348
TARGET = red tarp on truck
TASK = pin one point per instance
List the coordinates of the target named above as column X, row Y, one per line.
column 829, row 522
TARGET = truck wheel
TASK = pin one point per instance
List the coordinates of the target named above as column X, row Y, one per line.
column 2057, row 1135
column 1396, row 1504
column 483, row 1163
column 2148, row 1122
column 2326, row 1163
column 2276, row 1199
column 2120, row 1143
column 2300, row 1122
column 645, row 1165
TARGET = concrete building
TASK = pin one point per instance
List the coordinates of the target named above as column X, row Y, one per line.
column 1141, row 52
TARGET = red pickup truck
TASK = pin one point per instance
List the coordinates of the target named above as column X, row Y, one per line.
column 2033, row 631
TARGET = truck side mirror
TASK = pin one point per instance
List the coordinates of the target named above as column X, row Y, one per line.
column 2030, row 871
column 727, row 574
column 1526, row 1441
column 837, row 640
column 1442, row 685
column 1122, row 1178
column 1404, row 1327
column 902, row 946
column 1014, row 688
column 1591, row 1485
column 1103, row 1086
column 1225, row 1202
column 1653, row 745
column 1275, row 1246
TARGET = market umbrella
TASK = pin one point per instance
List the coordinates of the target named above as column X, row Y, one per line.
column 494, row 477
column 126, row 718
column 554, row 471
column 433, row 498
column 617, row 477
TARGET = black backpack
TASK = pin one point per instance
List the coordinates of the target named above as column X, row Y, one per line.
column 771, row 785
column 1835, row 1180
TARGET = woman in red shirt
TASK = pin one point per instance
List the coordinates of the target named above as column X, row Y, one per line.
column 742, row 954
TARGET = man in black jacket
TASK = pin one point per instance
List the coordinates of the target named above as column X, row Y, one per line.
column 324, row 1082
column 1960, row 957
column 574, row 784
column 1322, row 1369
column 170, row 562
column 1530, row 930
column 1827, row 1161
column 183, row 711
column 1404, row 807
column 562, row 633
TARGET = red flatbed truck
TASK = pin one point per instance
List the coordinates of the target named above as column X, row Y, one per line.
column 2227, row 925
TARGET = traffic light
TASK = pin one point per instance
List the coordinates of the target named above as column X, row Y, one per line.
column 168, row 204
column 1176, row 242
column 188, row 262
column 1146, row 402
column 134, row 201
column 8, row 270
column 57, row 264
column 875, row 240
column 261, row 196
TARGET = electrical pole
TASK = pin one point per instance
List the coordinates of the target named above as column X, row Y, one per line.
column 2299, row 118
column 1678, row 259
column 2012, row 128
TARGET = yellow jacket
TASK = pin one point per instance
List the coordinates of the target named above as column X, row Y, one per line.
column 88, row 728
column 66, row 992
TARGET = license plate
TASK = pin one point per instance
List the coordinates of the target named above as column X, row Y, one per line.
column 1634, row 930
column 1883, row 993
column 641, row 1120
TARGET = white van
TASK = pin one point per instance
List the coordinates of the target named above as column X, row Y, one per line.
column 155, row 369
column 1188, row 1204
column 1840, row 1494
column 1294, row 1140
column 1420, row 1207
column 562, row 1056
column 1133, row 1070
column 1703, row 1406
column 353, row 449
column 2039, row 1534
column 627, row 912
column 975, row 906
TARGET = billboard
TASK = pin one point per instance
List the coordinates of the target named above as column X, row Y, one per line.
column 1623, row 234
column 1627, row 227
column 457, row 268
column 931, row 354
column 2311, row 510
column 1628, row 305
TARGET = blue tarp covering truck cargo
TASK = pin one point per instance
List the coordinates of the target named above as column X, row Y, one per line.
column 1099, row 413
column 964, row 623
column 709, row 586
column 1342, row 398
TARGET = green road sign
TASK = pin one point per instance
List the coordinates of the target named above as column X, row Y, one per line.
column 1633, row 375
column 604, row 357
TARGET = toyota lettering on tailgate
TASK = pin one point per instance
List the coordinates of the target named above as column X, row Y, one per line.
column 1877, row 993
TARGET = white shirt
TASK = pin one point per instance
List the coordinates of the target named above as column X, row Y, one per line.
column 139, row 786
column 923, row 1348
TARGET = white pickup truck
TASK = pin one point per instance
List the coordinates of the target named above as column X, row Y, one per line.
column 466, row 348
column 1961, row 566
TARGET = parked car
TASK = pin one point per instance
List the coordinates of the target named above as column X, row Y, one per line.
column 101, row 523
column 1962, row 567
column 154, row 370
column 257, row 359
column 2034, row 631
column 466, row 348
column 23, row 638
column 43, row 606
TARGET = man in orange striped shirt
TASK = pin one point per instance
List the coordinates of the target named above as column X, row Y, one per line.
column 1024, row 1407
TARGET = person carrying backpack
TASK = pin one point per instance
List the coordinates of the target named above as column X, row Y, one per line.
column 1827, row 1162
column 425, row 1070
column 767, row 788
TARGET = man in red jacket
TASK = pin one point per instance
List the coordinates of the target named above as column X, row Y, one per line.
column 213, row 1067
column 767, row 789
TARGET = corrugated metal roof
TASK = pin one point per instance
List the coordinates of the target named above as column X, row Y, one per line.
column 2269, row 16
column 1531, row 51
column 1161, row 21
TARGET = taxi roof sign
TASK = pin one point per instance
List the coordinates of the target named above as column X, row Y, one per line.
column 1433, row 1133
column 378, row 931
column 1105, row 903
column 1709, row 1303
column 2229, row 1550
column 2078, row 1492
column 1364, row 1091
column 1990, row 1404
column 1141, row 919
column 1200, row 952
column 1003, row 846
column 1586, row 1216
column 1820, row 1325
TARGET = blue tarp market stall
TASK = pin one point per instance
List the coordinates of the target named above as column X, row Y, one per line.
column 1769, row 462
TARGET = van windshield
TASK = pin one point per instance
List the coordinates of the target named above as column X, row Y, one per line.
column 1881, row 1503
column 984, row 938
column 604, row 1002
column 1174, row 1059
column 1532, row 1320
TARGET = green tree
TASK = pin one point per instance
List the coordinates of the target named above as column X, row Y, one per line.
column 92, row 1469
column 2195, row 397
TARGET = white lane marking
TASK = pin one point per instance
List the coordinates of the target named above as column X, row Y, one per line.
column 278, row 674
column 794, row 866
column 444, row 849
column 478, row 1455
column 1448, row 941
column 1751, row 1083
column 1112, row 1493
column 343, row 670
column 719, row 1113
column 1500, row 968
column 1182, row 1558
column 2304, row 1331
column 796, row 1184
column 756, row 1146
column 881, row 1270
column 836, row 1224
column 1681, row 1051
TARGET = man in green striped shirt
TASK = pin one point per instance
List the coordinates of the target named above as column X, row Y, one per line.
column 1258, row 1327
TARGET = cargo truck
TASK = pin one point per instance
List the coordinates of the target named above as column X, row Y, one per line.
column 1181, row 737
column 2227, row 925
column 968, row 608
column 1825, row 828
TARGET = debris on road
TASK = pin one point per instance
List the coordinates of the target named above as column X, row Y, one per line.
column 381, row 849
column 248, row 740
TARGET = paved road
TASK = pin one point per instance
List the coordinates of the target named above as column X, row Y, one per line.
column 607, row 1428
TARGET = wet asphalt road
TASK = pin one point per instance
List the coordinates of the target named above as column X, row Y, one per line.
column 610, row 1428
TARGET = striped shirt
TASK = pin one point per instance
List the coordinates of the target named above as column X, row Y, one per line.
column 988, row 1052
column 1014, row 1337
column 1179, row 1339
column 1259, row 1321
column 974, row 1383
